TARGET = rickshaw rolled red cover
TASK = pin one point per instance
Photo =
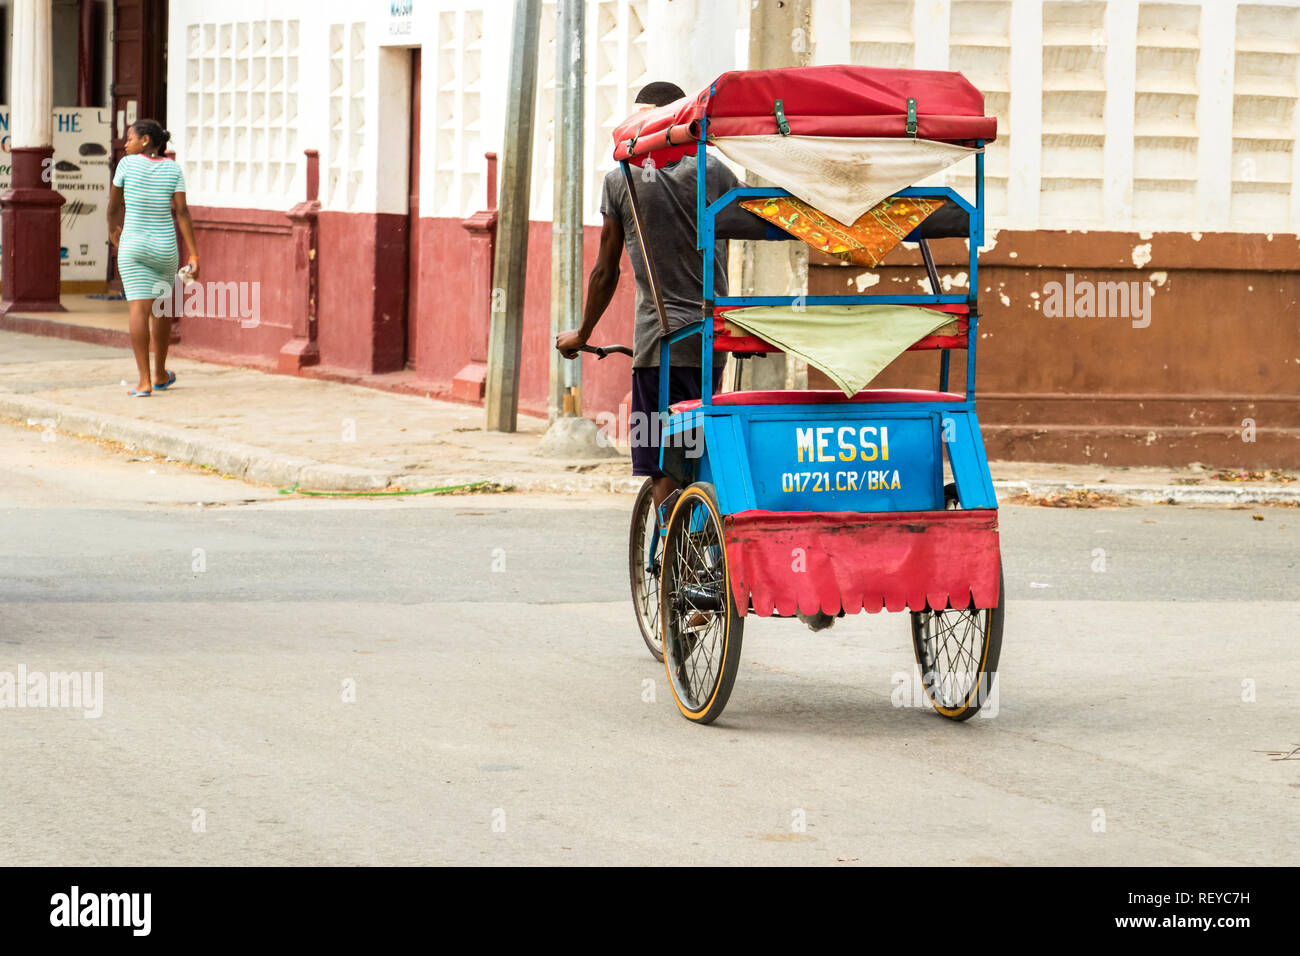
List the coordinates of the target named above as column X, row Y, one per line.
column 828, row 501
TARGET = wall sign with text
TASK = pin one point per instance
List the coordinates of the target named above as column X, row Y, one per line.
column 79, row 172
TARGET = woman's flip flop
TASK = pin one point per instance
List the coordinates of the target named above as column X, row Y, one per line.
column 135, row 394
column 171, row 378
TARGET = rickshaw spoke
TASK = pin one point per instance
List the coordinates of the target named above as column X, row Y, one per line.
column 704, row 648
column 704, row 564
column 709, row 669
column 701, row 653
column 704, row 644
column 952, row 643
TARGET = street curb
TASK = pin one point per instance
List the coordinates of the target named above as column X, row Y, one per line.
column 267, row 467
column 1156, row 494
column 1005, row 490
column 228, row 457
column 531, row 484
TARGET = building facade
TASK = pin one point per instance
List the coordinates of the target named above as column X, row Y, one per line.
column 335, row 153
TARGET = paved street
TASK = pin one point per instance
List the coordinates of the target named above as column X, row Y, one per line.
column 506, row 710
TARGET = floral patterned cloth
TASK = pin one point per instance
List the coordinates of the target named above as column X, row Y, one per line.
column 866, row 242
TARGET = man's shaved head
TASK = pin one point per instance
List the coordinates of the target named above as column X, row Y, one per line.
column 659, row 93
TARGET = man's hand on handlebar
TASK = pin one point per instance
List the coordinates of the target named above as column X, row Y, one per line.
column 569, row 343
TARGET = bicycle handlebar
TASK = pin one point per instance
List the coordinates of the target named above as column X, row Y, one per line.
column 600, row 351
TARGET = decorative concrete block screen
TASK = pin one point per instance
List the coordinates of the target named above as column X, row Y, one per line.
column 1074, row 113
column 1265, row 162
column 542, row 185
column 1126, row 115
column 1166, row 99
column 981, row 49
column 344, row 162
column 617, row 67
column 882, row 33
column 457, row 112
column 240, row 143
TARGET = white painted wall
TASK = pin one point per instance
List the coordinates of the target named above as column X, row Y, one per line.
column 1129, row 115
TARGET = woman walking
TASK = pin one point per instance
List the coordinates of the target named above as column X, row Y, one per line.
column 148, row 191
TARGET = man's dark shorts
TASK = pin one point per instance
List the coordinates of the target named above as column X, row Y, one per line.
column 683, row 385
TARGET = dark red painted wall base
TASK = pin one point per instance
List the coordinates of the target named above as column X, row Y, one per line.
column 361, row 312
column 243, row 246
column 1211, row 363
column 449, row 337
column 1050, row 389
column 362, row 308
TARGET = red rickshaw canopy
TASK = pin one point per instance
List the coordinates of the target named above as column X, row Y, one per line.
column 845, row 101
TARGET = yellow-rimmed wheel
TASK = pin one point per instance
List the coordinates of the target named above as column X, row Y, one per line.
column 645, row 546
column 700, row 626
column 957, row 651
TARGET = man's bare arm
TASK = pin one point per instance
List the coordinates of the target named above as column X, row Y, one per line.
column 600, row 287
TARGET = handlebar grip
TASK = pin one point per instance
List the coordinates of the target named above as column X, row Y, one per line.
column 600, row 351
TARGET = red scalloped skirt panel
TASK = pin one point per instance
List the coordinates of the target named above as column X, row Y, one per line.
column 788, row 562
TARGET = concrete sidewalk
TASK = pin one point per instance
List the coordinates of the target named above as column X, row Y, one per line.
column 323, row 436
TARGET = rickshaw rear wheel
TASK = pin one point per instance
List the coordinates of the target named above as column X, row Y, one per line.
column 957, row 652
column 701, row 628
column 645, row 552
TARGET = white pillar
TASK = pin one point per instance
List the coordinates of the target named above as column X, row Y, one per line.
column 690, row 41
column 31, row 78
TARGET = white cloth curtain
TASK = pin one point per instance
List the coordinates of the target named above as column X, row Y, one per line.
column 841, row 176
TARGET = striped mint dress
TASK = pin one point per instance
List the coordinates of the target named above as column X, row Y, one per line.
column 146, row 254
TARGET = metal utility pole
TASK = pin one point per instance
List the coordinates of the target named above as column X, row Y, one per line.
column 566, row 220
column 505, row 337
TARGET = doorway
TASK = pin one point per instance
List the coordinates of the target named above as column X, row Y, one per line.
column 412, row 321
column 139, row 66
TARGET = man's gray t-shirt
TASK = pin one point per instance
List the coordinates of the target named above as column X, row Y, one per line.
column 666, row 196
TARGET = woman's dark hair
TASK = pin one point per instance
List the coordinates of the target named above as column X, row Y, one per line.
column 157, row 135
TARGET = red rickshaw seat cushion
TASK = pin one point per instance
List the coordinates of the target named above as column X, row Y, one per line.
column 822, row 397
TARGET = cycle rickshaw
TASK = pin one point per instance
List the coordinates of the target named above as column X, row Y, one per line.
column 830, row 501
